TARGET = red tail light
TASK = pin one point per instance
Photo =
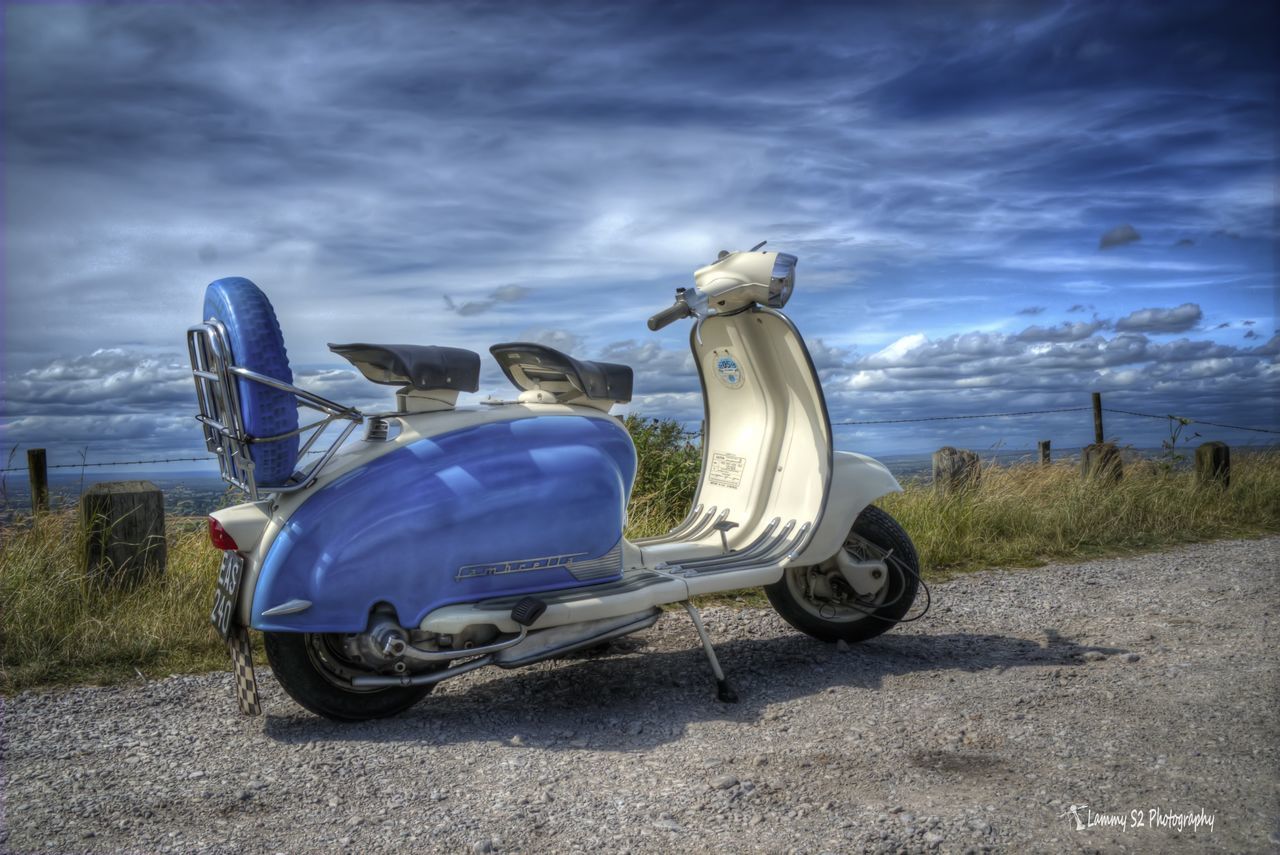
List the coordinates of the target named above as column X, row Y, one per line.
column 219, row 538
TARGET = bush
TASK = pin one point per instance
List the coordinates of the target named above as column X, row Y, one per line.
column 666, row 475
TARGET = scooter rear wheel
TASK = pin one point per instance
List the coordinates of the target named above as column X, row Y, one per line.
column 844, row 615
column 312, row 671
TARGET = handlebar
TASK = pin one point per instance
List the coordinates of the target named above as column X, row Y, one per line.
column 677, row 310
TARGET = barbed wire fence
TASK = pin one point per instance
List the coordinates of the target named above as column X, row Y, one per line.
column 971, row 416
column 1169, row 417
column 208, row 458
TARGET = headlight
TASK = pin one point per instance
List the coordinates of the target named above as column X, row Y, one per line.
column 782, row 280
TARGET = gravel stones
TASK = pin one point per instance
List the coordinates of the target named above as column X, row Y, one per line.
column 975, row 729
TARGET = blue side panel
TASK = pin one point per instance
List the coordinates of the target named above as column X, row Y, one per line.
column 498, row 509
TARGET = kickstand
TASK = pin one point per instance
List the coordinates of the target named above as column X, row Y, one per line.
column 724, row 691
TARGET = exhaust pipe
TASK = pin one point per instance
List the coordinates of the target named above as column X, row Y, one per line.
column 559, row 640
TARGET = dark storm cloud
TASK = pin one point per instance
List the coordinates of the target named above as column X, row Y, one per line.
column 1118, row 236
column 1031, row 310
column 1178, row 319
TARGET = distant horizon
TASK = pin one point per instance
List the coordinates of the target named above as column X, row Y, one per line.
column 17, row 481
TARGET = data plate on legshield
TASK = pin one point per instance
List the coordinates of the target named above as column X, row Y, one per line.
column 227, row 593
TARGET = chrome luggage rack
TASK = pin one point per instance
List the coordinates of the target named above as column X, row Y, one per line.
column 218, row 396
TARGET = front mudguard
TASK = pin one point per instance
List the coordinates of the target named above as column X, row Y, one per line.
column 856, row 481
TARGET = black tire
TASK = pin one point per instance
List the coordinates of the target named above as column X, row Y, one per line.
column 295, row 663
column 866, row 621
column 257, row 344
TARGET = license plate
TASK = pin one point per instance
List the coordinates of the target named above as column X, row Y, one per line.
column 227, row 593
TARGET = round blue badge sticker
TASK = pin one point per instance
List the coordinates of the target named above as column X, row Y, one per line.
column 729, row 372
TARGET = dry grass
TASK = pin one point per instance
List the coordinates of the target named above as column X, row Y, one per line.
column 56, row 627
column 1026, row 515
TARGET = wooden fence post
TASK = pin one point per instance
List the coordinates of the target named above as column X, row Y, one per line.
column 38, row 473
column 1044, row 452
column 124, row 532
column 955, row 469
column 1213, row 464
column 1102, row 461
column 1098, row 438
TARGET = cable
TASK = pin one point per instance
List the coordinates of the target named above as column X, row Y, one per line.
column 903, row 568
column 1189, row 420
column 114, row 463
column 120, row 463
column 952, row 418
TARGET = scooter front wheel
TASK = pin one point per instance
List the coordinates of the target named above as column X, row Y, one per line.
column 314, row 672
column 819, row 601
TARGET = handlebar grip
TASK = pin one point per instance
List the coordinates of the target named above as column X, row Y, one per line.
column 670, row 315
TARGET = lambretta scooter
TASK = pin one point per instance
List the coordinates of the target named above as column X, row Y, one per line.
column 451, row 538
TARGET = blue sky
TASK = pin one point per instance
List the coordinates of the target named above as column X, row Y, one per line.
column 996, row 206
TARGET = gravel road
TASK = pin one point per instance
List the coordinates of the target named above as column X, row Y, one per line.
column 1125, row 685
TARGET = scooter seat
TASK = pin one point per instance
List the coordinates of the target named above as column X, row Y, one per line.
column 532, row 366
column 422, row 367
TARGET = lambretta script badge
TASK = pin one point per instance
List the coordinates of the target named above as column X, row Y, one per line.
column 523, row 565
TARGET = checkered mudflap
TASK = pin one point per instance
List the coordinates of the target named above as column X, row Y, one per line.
column 242, row 665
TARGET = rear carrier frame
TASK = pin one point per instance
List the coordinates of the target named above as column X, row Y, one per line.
column 217, row 394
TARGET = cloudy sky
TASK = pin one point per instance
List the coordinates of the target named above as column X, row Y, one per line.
column 996, row 206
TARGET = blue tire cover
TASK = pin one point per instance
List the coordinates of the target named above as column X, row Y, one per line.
column 256, row 344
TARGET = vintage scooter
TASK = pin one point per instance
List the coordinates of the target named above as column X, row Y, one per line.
column 451, row 538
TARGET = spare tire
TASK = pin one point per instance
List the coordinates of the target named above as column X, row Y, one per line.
column 257, row 344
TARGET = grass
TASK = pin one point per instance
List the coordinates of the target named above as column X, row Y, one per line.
column 58, row 628
column 1025, row 515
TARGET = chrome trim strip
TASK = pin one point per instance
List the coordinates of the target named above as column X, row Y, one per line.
column 675, row 533
column 290, row 607
column 757, row 547
column 779, row 547
column 707, row 526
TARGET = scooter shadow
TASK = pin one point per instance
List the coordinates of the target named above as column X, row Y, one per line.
column 623, row 700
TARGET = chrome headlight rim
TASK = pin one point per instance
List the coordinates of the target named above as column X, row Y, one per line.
column 782, row 281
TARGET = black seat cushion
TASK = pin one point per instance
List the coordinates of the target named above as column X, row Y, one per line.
column 423, row 367
column 603, row 381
